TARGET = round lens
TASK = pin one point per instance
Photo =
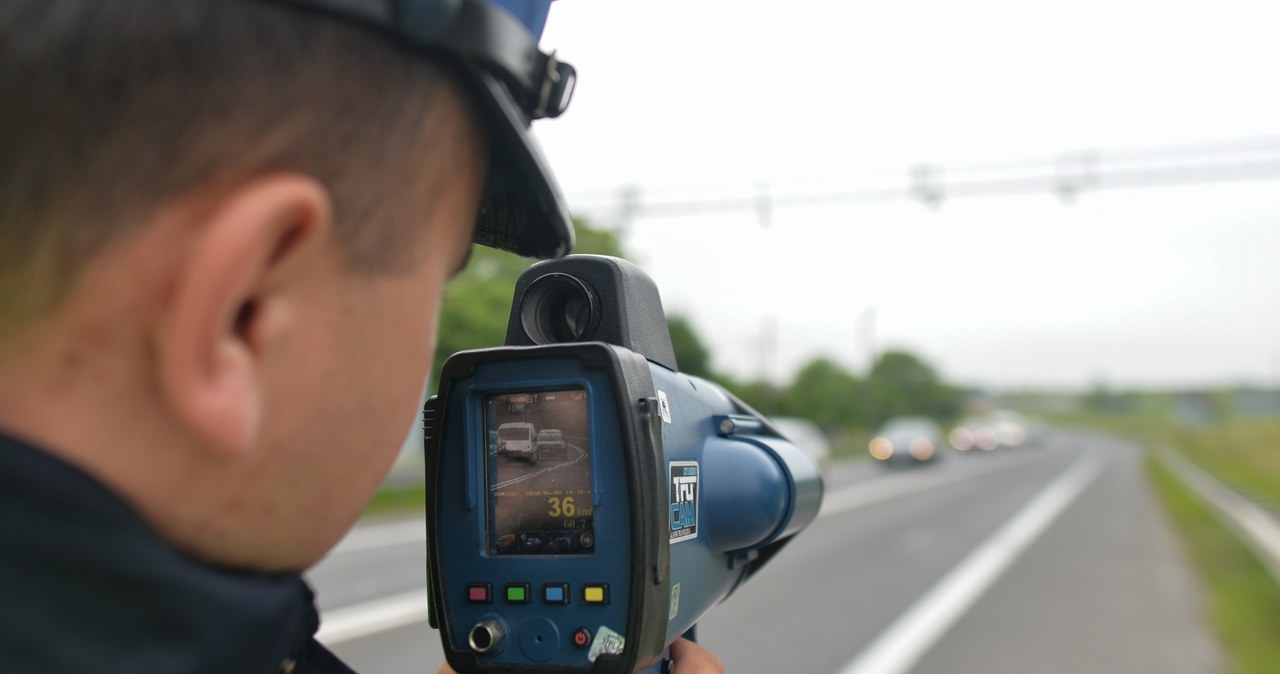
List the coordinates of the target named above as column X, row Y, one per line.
column 556, row 309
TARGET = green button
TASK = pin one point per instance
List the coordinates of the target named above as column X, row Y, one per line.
column 517, row 594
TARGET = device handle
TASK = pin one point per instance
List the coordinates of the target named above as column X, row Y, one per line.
column 663, row 666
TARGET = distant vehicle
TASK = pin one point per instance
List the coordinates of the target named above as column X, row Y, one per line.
column 974, row 434
column 1002, row 428
column 516, row 440
column 906, row 441
column 1011, row 430
column 550, row 444
column 807, row 437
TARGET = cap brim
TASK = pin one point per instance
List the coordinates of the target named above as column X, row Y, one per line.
column 522, row 209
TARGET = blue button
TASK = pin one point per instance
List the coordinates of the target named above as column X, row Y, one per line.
column 555, row 593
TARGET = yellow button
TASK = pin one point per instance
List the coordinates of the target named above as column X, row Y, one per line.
column 594, row 594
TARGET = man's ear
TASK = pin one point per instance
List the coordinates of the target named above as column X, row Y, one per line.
column 229, row 289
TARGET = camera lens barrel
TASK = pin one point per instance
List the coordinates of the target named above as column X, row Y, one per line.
column 559, row 309
column 590, row 298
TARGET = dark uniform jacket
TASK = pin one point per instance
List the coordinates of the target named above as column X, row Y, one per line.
column 87, row 586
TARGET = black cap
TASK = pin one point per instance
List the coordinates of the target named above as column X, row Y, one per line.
column 522, row 209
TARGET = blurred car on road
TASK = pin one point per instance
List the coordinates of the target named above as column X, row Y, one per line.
column 906, row 441
column 1011, row 430
column 807, row 436
column 1001, row 428
column 974, row 433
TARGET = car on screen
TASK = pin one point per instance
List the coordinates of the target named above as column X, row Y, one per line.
column 517, row 440
column 906, row 441
column 550, row 444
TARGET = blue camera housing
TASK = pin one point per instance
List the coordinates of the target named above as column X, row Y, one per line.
column 572, row 611
column 690, row 490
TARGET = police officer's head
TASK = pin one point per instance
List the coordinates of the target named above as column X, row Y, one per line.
column 225, row 228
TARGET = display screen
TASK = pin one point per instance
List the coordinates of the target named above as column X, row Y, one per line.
column 538, row 473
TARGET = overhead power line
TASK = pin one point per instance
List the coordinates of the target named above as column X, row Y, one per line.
column 1066, row 175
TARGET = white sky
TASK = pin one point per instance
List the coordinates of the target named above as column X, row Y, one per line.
column 1165, row 286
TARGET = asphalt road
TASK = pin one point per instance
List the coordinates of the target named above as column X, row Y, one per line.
column 1047, row 559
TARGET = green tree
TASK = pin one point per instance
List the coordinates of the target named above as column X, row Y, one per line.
column 900, row 383
column 825, row 393
column 761, row 395
column 1102, row 398
column 691, row 355
column 478, row 302
column 596, row 241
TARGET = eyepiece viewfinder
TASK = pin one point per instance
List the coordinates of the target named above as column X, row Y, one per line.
column 559, row 309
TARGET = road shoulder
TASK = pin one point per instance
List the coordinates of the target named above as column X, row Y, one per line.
column 1142, row 612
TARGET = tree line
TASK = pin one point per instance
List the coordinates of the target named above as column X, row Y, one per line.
column 478, row 303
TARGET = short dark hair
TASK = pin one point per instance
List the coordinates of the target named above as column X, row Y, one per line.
column 113, row 107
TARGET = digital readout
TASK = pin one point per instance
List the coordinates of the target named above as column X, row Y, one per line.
column 538, row 473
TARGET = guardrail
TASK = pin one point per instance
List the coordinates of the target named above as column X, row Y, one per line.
column 1253, row 524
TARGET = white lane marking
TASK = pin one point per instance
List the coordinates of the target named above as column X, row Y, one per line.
column 582, row 454
column 361, row 620
column 898, row 648
column 373, row 536
column 875, row 491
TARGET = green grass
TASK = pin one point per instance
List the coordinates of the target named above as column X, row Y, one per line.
column 1243, row 599
column 397, row 500
column 1243, row 452
column 849, row 444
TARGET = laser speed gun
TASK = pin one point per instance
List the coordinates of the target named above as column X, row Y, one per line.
column 588, row 501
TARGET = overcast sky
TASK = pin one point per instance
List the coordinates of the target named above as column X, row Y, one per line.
column 1161, row 286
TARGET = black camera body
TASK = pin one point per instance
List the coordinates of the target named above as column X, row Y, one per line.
column 588, row 502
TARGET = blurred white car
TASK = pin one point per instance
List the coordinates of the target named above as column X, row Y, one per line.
column 1010, row 429
column 1002, row 428
column 974, row 433
column 807, row 436
column 906, row 441
column 516, row 440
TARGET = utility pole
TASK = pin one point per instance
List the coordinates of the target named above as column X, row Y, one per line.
column 768, row 348
column 867, row 333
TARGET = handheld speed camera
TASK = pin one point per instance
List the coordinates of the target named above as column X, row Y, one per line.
column 588, row 501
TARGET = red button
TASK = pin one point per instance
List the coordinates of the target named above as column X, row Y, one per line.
column 478, row 594
column 582, row 637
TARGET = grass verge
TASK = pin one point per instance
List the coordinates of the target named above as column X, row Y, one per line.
column 850, row 445
column 398, row 499
column 1243, row 599
column 1243, row 452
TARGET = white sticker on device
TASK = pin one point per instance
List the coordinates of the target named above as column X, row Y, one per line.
column 607, row 642
column 684, row 488
column 664, row 407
